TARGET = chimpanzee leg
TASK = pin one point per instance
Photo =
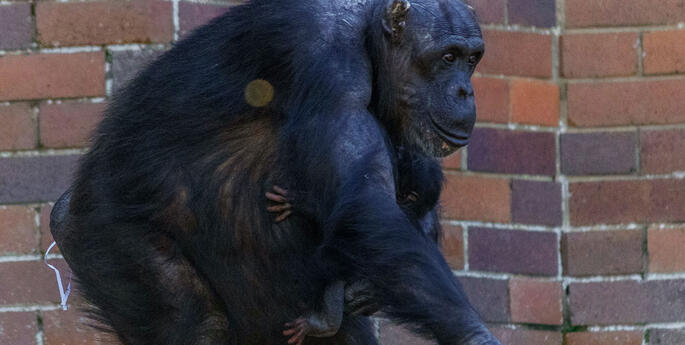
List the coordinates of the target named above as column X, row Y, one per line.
column 148, row 292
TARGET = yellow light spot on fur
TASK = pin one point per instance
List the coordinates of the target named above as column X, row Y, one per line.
column 259, row 93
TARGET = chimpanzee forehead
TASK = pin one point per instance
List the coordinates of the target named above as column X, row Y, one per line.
column 444, row 18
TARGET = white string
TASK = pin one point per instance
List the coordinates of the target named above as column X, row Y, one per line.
column 64, row 295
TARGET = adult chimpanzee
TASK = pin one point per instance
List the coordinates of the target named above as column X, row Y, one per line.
column 167, row 228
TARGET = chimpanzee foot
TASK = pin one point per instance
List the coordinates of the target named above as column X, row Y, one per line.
column 283, row 206
column 297, row 330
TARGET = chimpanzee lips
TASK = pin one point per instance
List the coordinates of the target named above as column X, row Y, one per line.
column 450, row 137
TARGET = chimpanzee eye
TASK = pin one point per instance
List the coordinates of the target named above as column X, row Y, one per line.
column 449, row 58
column 473, row 59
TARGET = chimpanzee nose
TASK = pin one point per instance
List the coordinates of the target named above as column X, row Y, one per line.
column 465, row 91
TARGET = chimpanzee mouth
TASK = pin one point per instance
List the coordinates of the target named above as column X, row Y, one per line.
column 449, row 137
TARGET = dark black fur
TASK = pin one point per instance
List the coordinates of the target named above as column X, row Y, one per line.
column 167, row 230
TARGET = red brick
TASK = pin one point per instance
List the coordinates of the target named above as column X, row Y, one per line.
column 16, row 26
column 662, row 152
column 18, row 328
column 18, row 233
column 489, row 11
column 665, row 247
column 509, row 251
column 626, row 103
column 604, row 338
column 615, row 202
column 512, row 152
column 490, row 297
column 192, row 15
column 32, row 282
column 583, row 13
column 104, row 22
column 534, row 102
column 599, row 55
column 392, row 334
column 52, row 76
column 664, row 52
column 453, row 246
column 540, row 13
column 627, row 302
column 492, row 99
column 517, row 53
column 536, row 302
column 521, row 336
column 18, row 130
column 477, row 198
column 598, row 153
column 452, row 161
column 68, row 124
column 602, row 252
column 69, row 328
column 45, row 234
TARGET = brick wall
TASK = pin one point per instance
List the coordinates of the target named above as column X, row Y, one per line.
column 563, row 218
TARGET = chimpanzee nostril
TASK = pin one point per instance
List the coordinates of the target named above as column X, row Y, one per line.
column 463, row 93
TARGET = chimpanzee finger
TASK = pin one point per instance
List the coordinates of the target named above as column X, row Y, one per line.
column 276, row 197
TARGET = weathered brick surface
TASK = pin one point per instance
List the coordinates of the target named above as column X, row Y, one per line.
column 452, row 161
column 489, row 11
column 497, row 250
column 541, row 13
column 127, row 63
column 18, row 130
column 192, row 15
column 626, row 103
column 517, row 53
column 664, row 52
column 522, row 336
column 602, row 252
column 69, row 327
column 492, row 99
column 68, row 124
column 627, row 302
column 52, row 76
column 32, row 179
column 583, row 13
column 45, row 235
column 392, row 334
column 534, row 102
column 536, row 202
column 476, row 198
column 598, row 153
column 615, row 202
column 104, row 22
column 18, row 328
column 16, row 26
column 538, row 302
column 665, row 247
column 599, row 55
column 512, row 152
column 666, row 337
column 453, row 246
column 18, row 233
column 32, row 282
column 604, row 338
column 490, row 297
column 662, row 152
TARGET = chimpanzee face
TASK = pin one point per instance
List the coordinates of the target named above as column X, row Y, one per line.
column 442, row 43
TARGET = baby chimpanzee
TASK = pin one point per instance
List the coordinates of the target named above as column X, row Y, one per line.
column 419, row 204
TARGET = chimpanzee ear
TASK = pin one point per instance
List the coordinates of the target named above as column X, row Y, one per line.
column 396, row 19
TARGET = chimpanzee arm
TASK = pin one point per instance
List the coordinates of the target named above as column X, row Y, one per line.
column 369, row 237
